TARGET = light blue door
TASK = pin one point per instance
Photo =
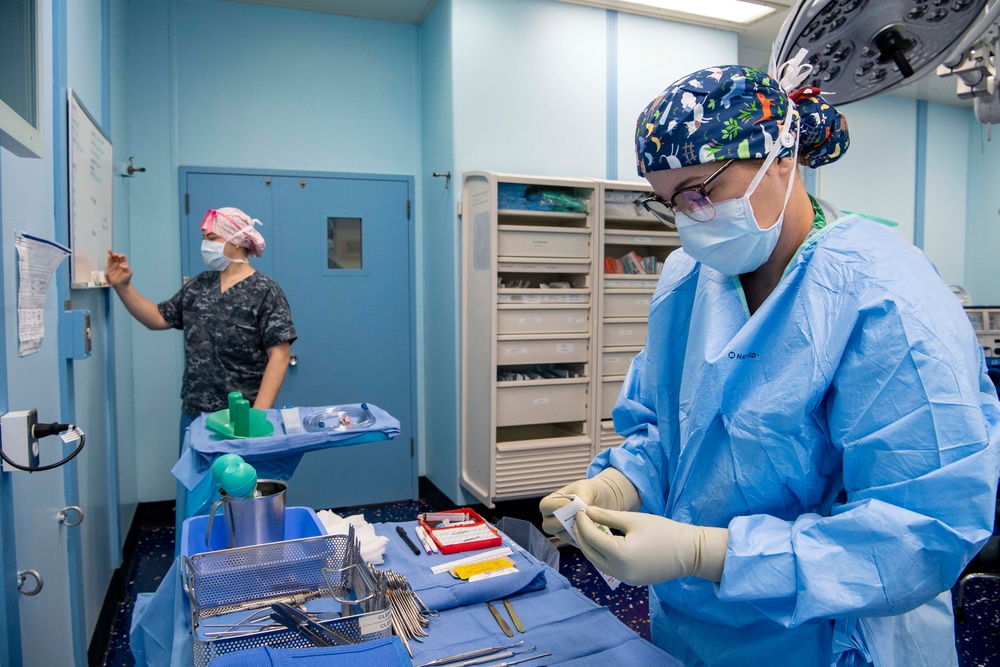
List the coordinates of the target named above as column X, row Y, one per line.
column 342, row 252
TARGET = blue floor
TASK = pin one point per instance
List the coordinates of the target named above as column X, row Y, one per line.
column 977, row 635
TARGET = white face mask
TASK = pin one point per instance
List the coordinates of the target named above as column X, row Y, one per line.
column 733, row 243
column 213, row 256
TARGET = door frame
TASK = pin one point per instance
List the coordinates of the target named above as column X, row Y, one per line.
column 187, row 228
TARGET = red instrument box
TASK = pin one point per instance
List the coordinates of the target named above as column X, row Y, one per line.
column 469, row 535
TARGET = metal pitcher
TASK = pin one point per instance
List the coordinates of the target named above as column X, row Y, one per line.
column 251, row 521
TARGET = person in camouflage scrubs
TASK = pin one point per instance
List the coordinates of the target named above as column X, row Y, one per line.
column 236, row 321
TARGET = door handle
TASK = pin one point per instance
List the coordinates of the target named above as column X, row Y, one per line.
column 293, row 360
column 66, row 510
column 24, row 574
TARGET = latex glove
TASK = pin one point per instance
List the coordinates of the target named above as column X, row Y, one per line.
column 609, row 489
column 654, row 549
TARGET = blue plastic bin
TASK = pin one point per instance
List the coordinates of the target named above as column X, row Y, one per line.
column 300, row 522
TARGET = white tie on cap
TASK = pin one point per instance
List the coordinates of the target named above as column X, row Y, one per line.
column 792, row 72
column 250, row 227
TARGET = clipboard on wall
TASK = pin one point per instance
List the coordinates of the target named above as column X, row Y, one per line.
column 91, row 182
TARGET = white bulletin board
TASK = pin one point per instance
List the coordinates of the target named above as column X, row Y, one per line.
column 90, row 203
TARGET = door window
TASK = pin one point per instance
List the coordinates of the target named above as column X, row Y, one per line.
column 343, row 243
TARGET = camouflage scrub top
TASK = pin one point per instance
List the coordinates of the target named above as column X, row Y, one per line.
column 226, row 336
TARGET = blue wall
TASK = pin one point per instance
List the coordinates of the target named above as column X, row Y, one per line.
column 883, row 142
column 437, row 288
column 652, row 54
column 982, row 236
column 946, row 182
column 879, row 176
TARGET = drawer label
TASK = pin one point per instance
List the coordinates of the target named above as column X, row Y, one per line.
column 540, row 401
column 641, row 239
column 576, row 320
column 611, row 360
column 532, row 298
column 642, row 302
column 564, row 347
column 529, row 320
column 624, row 332
column 575, row 298
column 517, row 350
column 539, row 243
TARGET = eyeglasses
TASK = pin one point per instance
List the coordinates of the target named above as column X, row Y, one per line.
column 693, row 201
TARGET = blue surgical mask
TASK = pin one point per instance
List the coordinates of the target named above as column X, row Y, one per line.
column 211, row 253
column 732, row 242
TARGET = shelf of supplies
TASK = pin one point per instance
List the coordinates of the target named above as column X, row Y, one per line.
column 527, row 215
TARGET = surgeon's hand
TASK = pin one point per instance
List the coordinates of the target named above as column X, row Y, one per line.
column 654, row 549
column 609, row 489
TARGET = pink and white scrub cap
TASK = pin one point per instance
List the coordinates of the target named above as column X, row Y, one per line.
column 236, row 227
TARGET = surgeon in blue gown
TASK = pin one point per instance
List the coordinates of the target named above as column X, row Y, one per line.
column 811, row 453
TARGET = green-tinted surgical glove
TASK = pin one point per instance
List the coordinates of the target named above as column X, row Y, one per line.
column 609, row 489
column 654, row 549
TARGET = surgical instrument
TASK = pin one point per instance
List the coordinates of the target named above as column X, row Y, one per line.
column 469, row 654
column 496, row 656
column 502, row 623
column 406, row 608
column 319, row 635
column 520, row 660
column 513, row 615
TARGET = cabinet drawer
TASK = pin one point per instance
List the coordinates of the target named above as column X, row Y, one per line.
column 542, row 350
column 614, row 362
column 523, row 241
column 610, row 388
column 541, row 470
column 540, row 402
column 608, row 436
column 617, row 334
column 626, row 304
column 542, row 320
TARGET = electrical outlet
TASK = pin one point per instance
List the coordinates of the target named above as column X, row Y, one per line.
column 16, row 439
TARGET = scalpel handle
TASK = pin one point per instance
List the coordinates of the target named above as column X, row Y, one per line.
column 513, row 615
column 502, row 623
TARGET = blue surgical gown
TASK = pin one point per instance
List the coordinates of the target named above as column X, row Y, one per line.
column 847, row 436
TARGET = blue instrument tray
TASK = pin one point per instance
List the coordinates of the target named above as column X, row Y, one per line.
column 300, row 522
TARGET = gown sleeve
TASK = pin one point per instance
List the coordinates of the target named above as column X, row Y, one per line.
column 915, row 417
